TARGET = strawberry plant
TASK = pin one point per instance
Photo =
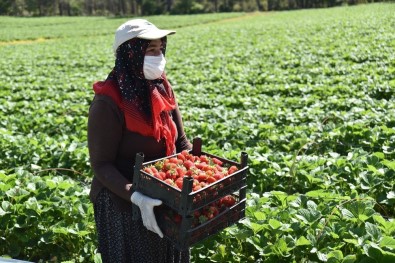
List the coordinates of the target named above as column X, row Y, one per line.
column 308, row 95
column 45, row 217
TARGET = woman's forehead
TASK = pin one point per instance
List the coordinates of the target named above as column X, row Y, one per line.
column 155, row 42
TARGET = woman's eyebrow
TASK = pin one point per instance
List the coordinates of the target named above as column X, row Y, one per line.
column 154, row 44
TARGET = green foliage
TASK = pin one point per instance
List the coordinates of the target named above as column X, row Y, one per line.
column 45, row 217
column 42, row 28
column 316, row 226
column 309, row 95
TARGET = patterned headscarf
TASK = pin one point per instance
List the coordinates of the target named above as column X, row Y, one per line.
column 146, row 104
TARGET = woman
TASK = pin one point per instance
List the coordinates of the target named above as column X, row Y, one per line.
column 134, row 110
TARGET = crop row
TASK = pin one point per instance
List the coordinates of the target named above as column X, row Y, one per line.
column 309, row 95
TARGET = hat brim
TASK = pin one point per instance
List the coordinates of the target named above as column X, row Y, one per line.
column 156, row 34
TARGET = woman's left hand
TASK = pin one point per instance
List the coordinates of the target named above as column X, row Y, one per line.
column 146, row 205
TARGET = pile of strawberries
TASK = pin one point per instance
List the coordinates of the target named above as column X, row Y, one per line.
column 203, row 169
column 206, row 213
column 212, row 210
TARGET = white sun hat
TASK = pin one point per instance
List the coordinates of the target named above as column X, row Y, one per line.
column 139, row 28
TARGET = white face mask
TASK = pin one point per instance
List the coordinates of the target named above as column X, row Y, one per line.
column 154, row 66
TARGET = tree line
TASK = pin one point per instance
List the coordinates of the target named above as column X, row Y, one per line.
column 157, row 7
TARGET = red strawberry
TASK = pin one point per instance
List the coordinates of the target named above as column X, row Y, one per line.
column 204, row 158
column 213, row 210
column 211, row 179
column 157, row 175
column 179, row 182
column 196, row 188
column 181, row 172
column 162, row 174
column 168, row 166
column 209, row 173
column 181, row 157
column 177, row 218
column 173, row 160
column 196, row 214
column 153, row 169
column 232, row 169
column 148, row 170
column 169, row 182
column 228, row 200
column 217, row 161
column 202, row 177
column 171, row 174
column 219, row 168
column 201, row 165
column 188, row 164
column 218, row 176
column 207, row 168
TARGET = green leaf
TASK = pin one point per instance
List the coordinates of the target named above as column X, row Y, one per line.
column 388, row 227
column 311, row 205
column 337, row 254
column 358, row 210
column 5, row 205
column 72, row 147
column 15, row 250
column 389, row 164
column 373, row 251
column 275, row 224
column 2, row 212
column 281, row 247
column 379, row 155
column 322, row 256
column 374, row 170
column 324, row 194
column 388, row 241
column 51, row 183
column 65, row 185
column 241, row 234
column 60, row 230
column 319, row 194
column 308, row 216
column 255, row 241
column 302, row 241
column 349, row 259
column 221, row 249
column 259, row 215
column 388, row 257
column 351, row 241
column 256, row 227
column 373, row 231
column 347, row 213
column 97, row 258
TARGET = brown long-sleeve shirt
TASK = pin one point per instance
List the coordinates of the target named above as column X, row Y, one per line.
column 113, row 148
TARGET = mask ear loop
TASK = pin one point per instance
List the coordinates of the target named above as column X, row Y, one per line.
column 164, row 44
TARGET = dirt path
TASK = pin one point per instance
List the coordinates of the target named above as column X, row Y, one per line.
column 24, row 41
column 239, row 18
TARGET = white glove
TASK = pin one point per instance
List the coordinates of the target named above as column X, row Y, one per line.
column 146, row 205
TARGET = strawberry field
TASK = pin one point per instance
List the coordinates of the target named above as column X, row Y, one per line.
column 309, row 95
